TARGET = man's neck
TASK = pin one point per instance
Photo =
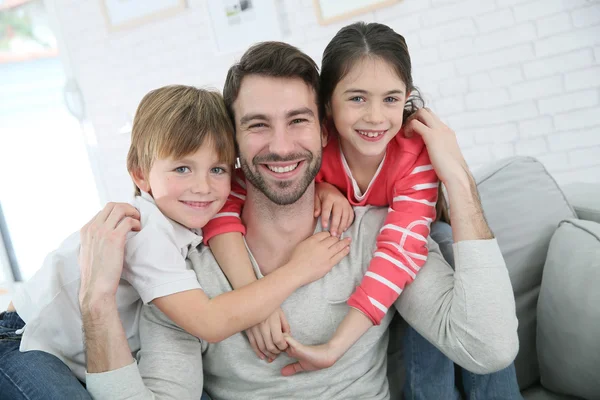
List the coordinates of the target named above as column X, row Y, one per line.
column 273, row 231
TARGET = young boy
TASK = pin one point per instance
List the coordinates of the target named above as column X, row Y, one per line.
column 181, row 158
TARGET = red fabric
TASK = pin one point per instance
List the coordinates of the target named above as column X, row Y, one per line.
column 402, row 241
column 228, row 219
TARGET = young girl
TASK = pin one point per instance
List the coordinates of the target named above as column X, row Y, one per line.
column 180, row 159
column 367, row 93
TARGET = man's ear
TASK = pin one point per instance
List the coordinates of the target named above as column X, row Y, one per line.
column 324, row 134
column 140, row 180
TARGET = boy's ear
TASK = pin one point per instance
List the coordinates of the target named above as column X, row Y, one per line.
column 140, row 180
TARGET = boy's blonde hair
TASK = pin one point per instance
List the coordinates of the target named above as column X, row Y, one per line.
column 174, row 121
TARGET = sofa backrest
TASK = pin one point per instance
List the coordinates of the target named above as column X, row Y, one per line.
column 523, row 206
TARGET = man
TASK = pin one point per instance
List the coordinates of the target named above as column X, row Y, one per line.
column 272, row 95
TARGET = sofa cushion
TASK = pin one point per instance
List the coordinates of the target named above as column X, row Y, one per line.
column 539, row 393
column 583, row 197
column 568, row 335
column 523, row 206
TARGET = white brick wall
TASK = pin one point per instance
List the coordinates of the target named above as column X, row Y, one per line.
column 510, row 76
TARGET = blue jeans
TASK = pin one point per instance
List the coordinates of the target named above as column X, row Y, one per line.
column 432, row 375
column 34, row 375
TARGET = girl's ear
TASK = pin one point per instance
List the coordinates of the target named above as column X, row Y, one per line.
column 140, row 180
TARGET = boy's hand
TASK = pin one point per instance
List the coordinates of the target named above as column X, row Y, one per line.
column 331, row 203
column 267, row 338
column 315, row 256
column 310, row 358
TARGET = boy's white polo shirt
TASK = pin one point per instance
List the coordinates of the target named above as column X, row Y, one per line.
column 155, row 266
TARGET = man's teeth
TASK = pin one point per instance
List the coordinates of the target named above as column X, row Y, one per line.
column 371, row 134
column 281, row 170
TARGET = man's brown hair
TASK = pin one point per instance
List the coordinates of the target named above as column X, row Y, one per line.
column 273, row 59
column 174, row 121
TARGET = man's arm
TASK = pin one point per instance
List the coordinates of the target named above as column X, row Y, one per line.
column 468, row 314
column 169, row 365
column 105, row 340
column 111, row 371
column 101, row 262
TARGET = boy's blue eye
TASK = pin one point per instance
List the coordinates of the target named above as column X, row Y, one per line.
column 356, row 99
column 218, row 170
column 390, row 100
column 182, row 170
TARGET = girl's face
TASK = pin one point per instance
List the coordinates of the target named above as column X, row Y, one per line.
column 367, row 106
column 190, row 190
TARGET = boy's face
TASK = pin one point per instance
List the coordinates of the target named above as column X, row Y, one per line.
column 190, row 190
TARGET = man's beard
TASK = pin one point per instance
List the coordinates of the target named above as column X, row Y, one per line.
column 282, row 193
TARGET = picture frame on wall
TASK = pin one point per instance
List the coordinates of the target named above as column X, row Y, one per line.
column 237, row 24
column 330, row 11
column 125, row 14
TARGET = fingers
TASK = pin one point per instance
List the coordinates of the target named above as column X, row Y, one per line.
column 426, row 116
column 336, row 220
column 260, row 343
column 119, row 212
column 326, row 208
column 127, row 225
column 320, row 236
column 268, row 347
column 330, row 241
column 291, row 369
column 277, row 334
column 317, row 206
column 349, row 217
column 416, row 126
column 285, row 326
column 252, row 339
column 341, row 250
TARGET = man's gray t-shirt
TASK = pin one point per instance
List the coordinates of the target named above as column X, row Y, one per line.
column 469, row 314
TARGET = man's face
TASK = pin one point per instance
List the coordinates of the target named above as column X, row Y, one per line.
column 278, row 135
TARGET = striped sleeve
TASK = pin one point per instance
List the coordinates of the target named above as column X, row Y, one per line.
column 402, row 241
column 228, row 218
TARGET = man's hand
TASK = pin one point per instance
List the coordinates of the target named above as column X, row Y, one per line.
column 466, row 213
column 267, row 338
column 102, row 251
column 331, row 203
column 310, row 358
column 445, row 155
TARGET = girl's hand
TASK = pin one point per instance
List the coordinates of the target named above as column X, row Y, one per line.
column 331, row 203
column 445, row 155
column 267, row 338
column 310, row 358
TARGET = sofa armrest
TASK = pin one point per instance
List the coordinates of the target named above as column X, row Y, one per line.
column 585, row 199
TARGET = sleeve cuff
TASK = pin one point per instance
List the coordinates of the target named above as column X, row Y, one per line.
column 226, row 227
column 483, row 253
column 166, row 289
column 122, row 383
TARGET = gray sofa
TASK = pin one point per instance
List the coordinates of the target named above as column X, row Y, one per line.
column 550, row 239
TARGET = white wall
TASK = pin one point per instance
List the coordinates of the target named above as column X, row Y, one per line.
column 510, row 76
